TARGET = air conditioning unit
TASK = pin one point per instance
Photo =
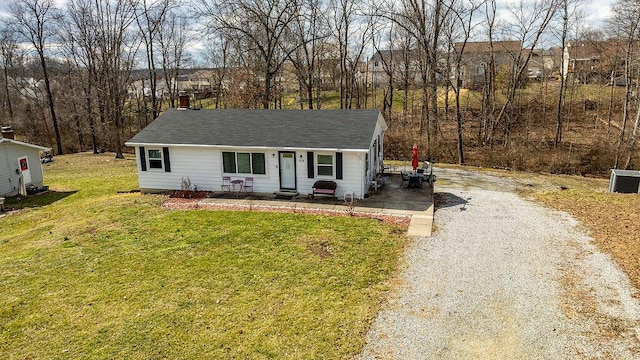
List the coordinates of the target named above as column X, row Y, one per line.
column 624, row 181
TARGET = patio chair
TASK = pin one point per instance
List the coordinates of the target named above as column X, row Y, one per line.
column 226, row 183
column 248, row 184
column 405, row 177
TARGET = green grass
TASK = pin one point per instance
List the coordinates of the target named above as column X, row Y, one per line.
column 96, row 274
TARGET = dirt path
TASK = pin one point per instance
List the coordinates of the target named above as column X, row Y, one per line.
column 503, row 278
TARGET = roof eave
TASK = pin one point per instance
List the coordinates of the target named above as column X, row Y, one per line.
column 264, row 148
column 16, row 142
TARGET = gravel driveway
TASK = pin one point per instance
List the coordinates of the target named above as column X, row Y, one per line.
column 503, row 278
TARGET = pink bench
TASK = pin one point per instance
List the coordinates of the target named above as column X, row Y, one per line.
column 324, row 187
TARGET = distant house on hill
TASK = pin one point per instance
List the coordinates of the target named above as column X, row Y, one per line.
column 18, row 159
column 477, row 55
column 592, row 61
column 399, row 64
column 280, row 150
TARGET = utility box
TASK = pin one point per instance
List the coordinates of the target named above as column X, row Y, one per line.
column 624, row 181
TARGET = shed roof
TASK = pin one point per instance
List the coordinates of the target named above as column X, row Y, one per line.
column 16, row 142
column 307, row 129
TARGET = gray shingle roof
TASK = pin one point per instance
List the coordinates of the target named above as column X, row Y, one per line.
column 327, row 129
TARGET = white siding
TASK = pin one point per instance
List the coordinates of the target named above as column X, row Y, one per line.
column 203, row 166
column 352, row 174
column 9, row 154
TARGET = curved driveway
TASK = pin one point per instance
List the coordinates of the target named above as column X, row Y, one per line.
column 503, row 278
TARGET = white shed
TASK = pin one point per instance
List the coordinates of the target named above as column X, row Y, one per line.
column 17, row 159
column 282, row 150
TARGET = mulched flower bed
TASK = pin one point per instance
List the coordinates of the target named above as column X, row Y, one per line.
column 175, row 203
column 188, row 194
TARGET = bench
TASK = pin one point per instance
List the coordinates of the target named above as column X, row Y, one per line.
column 324, row 187
column 1, row 204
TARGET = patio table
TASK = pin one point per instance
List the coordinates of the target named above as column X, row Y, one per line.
column 237, row 183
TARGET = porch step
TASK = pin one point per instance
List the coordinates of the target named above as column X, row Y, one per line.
column 287, row 193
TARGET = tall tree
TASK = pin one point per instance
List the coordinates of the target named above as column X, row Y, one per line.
column 569, row 11
column 309, row 29
column 265, row 27
column 34, row 20
column 459, row 30
column 173, row 39
column 116, row 47
column 8, row 52
column 626, row 17
column 528, row 22
column 151, row 17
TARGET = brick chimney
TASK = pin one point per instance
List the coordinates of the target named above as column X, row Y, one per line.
column 183, row 101
column 7, row 132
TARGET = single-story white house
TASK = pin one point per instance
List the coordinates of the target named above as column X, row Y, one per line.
column 282, row 150
column 17, row 159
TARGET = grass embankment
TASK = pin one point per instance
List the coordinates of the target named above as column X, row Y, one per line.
column 613, row 219
column 96, row 274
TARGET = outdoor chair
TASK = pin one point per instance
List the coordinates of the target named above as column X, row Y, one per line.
column 248, row 184
column 226, row 183
column 405, row 177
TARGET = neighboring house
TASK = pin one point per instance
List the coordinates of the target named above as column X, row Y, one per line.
column 476, row 57
column 18, row 158
column 593, row 61
column 401, row 64
column 282, row 150
column 542, row 63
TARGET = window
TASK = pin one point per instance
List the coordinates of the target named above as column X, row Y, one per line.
column 155, row 159
column 324, row 165
column 244, row 163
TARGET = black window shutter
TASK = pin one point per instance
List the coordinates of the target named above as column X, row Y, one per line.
column 167, row 162
column 339, row 165
column 310, row 165
column 143, row 159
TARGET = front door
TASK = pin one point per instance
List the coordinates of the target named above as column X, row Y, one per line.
column 24, row 169
column 287, row 170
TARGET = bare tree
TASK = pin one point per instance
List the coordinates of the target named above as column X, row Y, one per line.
column 34, row 20
column 265, row 26
column 8, row 52
column 627, row 22
column 528, row 22
column 569, row 11
column 351, row 24
column 459, row 30
column 173, row 38
column 151, row 17
column 310, row 30
column 115, row 46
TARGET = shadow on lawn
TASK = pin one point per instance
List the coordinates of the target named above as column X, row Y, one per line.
column 44, row 199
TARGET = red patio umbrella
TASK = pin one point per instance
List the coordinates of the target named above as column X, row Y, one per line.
column 414, row 158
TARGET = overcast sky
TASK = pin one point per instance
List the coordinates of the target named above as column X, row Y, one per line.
column 596, row 10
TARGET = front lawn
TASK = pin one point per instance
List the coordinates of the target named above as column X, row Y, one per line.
column 91, row 273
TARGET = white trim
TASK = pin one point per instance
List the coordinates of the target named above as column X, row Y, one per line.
column 260, row 148
column 16, row 142
column 317, row 164
column 148, row 159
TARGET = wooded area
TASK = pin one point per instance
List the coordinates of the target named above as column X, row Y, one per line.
column 525, row 86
